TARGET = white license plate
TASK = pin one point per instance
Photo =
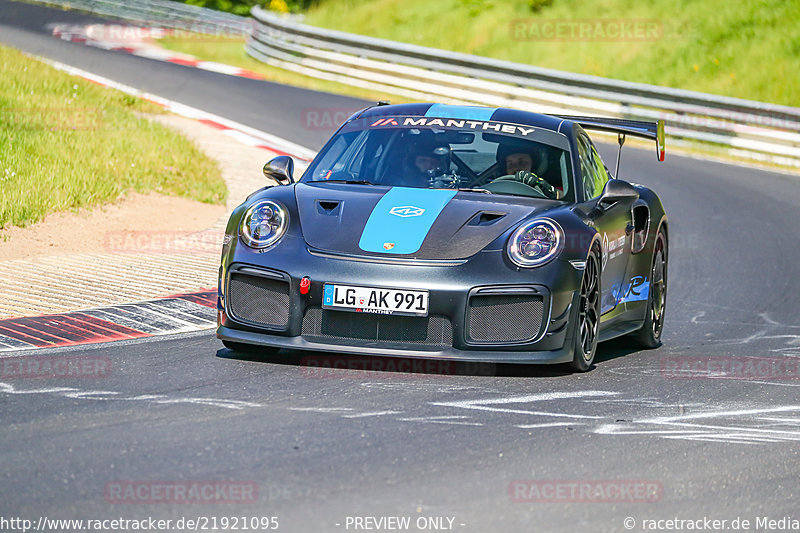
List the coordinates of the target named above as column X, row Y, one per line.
column 375, row 300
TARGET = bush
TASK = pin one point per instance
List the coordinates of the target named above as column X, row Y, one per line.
column 538, row 5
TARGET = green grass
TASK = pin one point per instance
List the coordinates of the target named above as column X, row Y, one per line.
column 747, row 49
column 66, row 143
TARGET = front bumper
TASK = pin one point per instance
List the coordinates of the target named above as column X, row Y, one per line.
column 562, row 355
column 452, row 288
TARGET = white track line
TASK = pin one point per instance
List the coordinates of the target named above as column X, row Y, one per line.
column 245, row 134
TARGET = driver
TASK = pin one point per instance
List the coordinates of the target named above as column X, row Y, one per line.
column 526, row 165
column 517, row 161
column 426, row 161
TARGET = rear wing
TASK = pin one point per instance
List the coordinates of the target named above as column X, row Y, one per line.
column 622, row 127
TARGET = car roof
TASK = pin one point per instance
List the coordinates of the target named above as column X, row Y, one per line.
column 494, row 114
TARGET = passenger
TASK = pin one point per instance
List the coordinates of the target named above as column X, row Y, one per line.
column 526, row 165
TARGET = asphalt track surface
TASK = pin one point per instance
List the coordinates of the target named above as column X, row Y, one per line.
column 320, row 447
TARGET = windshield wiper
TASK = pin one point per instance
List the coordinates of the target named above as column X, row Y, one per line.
column 349, row 182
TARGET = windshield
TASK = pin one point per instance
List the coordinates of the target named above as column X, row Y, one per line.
column 445, row 153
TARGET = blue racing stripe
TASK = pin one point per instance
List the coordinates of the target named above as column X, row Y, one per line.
column 402, row 219
column 464, row 112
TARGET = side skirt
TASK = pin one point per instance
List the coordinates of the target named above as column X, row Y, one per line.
column 618, row 328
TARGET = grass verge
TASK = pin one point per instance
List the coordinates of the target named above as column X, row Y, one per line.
column 66, row 143
column 747, row 49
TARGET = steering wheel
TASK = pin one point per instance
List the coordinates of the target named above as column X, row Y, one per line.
column 531, row 180
column 513, row 187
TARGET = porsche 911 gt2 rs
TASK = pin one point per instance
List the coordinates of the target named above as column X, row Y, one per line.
column 449, row 232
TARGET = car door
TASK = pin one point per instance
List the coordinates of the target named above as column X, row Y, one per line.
column 611, row 221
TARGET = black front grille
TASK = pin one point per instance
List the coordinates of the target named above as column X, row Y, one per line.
column 353, row 328
column 259, row 300
column 505, row 318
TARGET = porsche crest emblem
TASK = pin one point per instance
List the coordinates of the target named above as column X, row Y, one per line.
column 388, row 245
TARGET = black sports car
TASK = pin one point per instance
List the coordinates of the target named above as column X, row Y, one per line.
column 449, row 232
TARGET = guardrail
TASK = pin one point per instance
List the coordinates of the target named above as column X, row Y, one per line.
column 749, row 129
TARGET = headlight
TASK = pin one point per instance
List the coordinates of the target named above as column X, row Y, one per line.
column 535, row 243
column 263, row 224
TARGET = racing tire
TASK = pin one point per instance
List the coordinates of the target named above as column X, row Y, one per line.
column 587, row 327
column 649, row 336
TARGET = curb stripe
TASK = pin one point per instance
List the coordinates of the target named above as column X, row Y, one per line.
column 69, row 324
column 142, row 314
column 180, row 309
column 174, row 314
column 211, row 123
column 119, row 316
column 181, row 61
column 54, row 326
column 80, row 34
column 208, row 299
column 39, row 338
column 12, row 343
column 30, row 340
column 100, row 325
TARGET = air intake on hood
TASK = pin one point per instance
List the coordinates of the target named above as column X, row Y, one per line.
column 328, row 207
column 486, row 218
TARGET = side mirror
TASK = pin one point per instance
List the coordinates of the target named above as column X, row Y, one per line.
column 280, row 169
column 617, row 191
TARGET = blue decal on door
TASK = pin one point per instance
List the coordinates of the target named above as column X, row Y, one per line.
column 636, row 291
